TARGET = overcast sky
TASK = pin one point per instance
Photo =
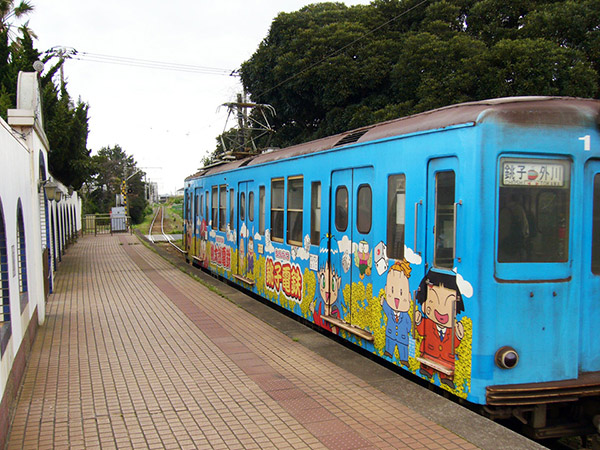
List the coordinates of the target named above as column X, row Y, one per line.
column 167, row 120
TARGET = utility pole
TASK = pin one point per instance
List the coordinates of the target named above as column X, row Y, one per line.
column 62, row 53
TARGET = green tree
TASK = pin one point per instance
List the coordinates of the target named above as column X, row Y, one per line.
column 16, row 50
column 111, row 167
column 67, row 129
column 65, row 122
column 328, row 68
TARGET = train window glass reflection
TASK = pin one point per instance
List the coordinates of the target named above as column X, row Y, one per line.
column 533, row 211
column 261, row 210
column 215, row 207
column 341, row 208
column 201, row 210
column 222, row 207
column 186, row 203
column 444, row 220
column 364, row 210
column 242, row 206
column 294, row 211
column 232, row 208
column 277, row 211
column 315, row 213
column 396, row 205
column 596, row 227
column 251, row 206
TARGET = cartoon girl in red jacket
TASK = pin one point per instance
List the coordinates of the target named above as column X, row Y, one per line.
column 440, row 301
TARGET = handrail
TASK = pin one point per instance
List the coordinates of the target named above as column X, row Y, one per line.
column 420, row 202
column 456, row 204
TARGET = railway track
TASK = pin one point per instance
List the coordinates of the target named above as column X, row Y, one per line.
column 157, row 228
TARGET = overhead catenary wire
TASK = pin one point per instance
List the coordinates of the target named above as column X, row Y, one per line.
column 149, row 64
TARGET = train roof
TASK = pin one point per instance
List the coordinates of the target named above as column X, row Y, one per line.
column 518, row 110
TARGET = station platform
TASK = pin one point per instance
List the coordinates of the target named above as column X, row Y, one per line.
column 137, row 354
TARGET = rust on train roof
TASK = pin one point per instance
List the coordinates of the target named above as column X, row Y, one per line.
column 526, row 111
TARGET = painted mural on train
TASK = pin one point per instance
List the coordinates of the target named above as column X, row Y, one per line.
column 429, row 335
column 420, row 324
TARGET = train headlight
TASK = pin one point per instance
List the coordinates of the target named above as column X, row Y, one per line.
column 507, row 357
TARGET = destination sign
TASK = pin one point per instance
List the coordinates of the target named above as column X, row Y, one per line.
column 534, row 173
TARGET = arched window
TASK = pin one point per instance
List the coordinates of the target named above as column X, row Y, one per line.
column 21, row 256
column 53, row 238
column 5, row 327
column 43, row 203
column 59, row 233
column 70, row 220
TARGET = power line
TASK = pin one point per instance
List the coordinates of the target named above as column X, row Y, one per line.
column 149, row 64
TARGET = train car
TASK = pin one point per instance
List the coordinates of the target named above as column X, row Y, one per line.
column 460, row 244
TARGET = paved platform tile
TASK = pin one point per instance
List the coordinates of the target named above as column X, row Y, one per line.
column 136, row 354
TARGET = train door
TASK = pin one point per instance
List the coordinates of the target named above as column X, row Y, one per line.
column 196, row 221
column 589, row 348
column 351, row 240
column 245, row 230
column 435, row 320
column 187, row 237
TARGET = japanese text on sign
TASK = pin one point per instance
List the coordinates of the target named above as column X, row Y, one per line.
column 220, row 255
column 284, row 277
column 519, row 173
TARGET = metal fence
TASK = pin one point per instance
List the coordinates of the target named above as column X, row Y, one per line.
column 106, row 224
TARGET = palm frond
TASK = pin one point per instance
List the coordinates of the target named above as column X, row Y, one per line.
column 25, row 7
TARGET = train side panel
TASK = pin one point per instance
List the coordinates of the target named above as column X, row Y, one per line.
column 356, row 277
column 468, row 255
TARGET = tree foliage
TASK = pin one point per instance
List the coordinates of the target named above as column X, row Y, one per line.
column 327, row 67
column 65, row 122
column 111, row 167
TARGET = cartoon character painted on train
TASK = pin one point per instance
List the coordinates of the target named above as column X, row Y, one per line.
column 363, row 258
column 440, row 301
column 396, row 304
column 250, row 256
column 202, row 254
column 328, row 278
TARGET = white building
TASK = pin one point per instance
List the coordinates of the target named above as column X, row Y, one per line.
column 38, row 219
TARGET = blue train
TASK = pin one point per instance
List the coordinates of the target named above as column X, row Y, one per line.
column 461, row 244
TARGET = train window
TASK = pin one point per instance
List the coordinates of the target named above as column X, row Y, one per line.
column 215, row 207
column 201, row 204
column 242, row 206
column 294, row 211
column 251, row 206
column 533, row 211
column 186, row 206
column 364, row 210
column 341, row 208
column 596, row 227
column 206, row 216
column 222, row 207
column 444, row 220
column 196, row 208
column 315, row 213
column 261, row 210
column 396, row 204
column 277, row 211
column 231, row 208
